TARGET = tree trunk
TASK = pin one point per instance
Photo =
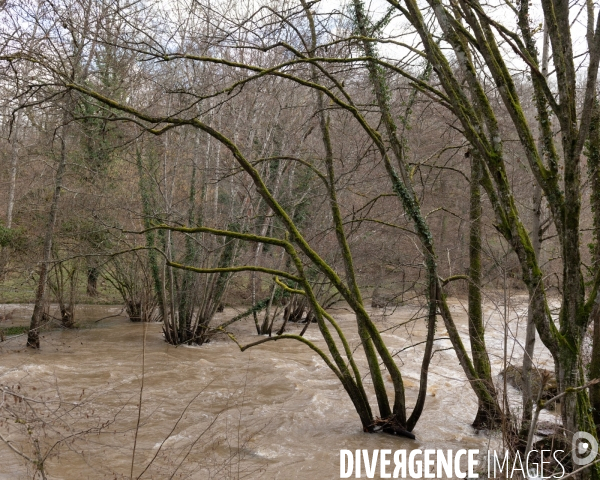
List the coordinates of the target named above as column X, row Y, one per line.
column 485, row 412
column 403, row 188
column 14, row 162
column 145, row 186
column 528, row 395
column 536, row 242
column 594, row 174
column 33, row 338
column 92, row 281
column 67, row 315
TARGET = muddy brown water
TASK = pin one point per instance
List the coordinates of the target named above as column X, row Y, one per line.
column 275, row 411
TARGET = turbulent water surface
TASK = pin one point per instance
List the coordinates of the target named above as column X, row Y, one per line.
column 275, row 411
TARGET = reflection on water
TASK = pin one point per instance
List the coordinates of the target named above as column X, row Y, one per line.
column 274, row 411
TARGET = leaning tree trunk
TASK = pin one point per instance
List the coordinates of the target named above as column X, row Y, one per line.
column 370, row 339
column 403, row 188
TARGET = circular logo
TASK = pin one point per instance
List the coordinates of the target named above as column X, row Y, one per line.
column 585, row 448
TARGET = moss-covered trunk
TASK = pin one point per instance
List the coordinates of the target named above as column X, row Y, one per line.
column 403, row 188
column 481, row 362
column 146, row 197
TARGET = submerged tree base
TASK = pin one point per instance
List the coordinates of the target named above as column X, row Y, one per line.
column 486, row 419
column 391, row 426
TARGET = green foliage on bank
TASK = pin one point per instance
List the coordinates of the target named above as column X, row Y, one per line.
column 15, row 330
column 12, row 238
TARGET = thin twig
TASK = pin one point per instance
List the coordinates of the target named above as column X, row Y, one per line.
column 575, row 472
column 172, row 430
column 17, row 451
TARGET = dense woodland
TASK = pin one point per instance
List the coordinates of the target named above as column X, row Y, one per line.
column 285, row 157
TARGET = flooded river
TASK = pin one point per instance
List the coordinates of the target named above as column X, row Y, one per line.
column 275, row 411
